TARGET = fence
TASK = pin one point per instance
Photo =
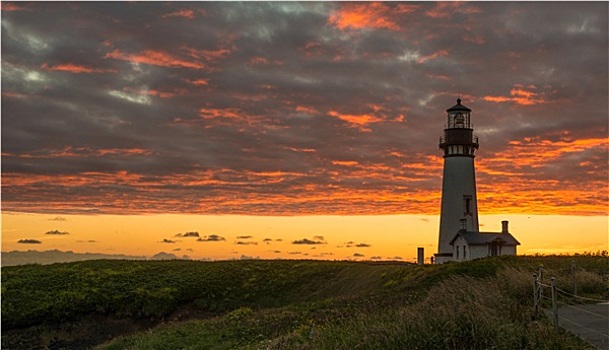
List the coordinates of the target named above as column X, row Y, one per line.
column 555, row 292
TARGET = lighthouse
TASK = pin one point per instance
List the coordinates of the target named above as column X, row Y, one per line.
column 459, row 208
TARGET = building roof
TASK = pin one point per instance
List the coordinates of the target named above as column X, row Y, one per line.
column 458, row 107
column 484, row 238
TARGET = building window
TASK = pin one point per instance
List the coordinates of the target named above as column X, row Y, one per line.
column 457, row 249
column 464, row 252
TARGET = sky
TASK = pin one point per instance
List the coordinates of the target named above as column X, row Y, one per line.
column 298, row 129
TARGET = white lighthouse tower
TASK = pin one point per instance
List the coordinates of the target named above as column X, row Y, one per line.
column 459, row 209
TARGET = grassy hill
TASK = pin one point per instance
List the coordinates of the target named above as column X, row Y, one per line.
column 287, row 304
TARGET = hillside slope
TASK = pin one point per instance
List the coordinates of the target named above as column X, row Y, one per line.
column 283, row 304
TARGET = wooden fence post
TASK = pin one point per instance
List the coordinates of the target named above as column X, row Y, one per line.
column 540, row 281
column 554, row 308
column 535, row 295
column 574, row 280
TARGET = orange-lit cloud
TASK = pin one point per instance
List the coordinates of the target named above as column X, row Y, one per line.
column 302, row 108
column 368, row 15
column 73, row 68
column 446, row 9
column 432, row 56
column 234, row 114
column 516, row 178
column 521, row 95
column 72, row 152
column 186, row 13
column 207, row 55
column 306, row 109
column 155, row 58
column 357, row 120
column 12, row 94
column 11, row 6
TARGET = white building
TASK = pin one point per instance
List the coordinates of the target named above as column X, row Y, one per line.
column 470, row 245
column 460, row 238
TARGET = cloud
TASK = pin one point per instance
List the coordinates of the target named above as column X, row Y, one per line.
column 376, row 257
column 310, row 108
column 165, row 240
column 267, row 240
column 29, row 241
column 244, row 237
column 155, row 58
column 57, row 232
column 73, row 68
column 246, row 243
column 351, row 244
column 58, row 218
column 369, row 15
column 525, row 96
column 188, row 234
column 211, row 238
column 307, row 241
column 358, row 255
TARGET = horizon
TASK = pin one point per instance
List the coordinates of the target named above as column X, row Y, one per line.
column 298, row 129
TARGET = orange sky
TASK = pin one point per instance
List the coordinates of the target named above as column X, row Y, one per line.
column 373, row 237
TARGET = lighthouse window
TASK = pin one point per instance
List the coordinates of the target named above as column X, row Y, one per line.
column 467, row 201
column 459, row 120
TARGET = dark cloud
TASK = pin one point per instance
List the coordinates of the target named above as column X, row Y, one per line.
column 188, row 234
column 239, row 108
column 165, row 240
column 358, row 255
column 246, row 243
column 363, row 245
column 376, row 257
column 29, row 241
column 267, row 240
column 58, row 218
column 211, row 238
column 307, row 241
column 56, row 232
column 244, row 237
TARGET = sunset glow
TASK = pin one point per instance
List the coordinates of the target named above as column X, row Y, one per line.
column 127, row 124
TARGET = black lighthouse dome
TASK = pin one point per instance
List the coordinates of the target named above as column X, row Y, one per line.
column 458, row 107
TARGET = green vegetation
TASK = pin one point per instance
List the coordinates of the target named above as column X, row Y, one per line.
column 286, row 304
